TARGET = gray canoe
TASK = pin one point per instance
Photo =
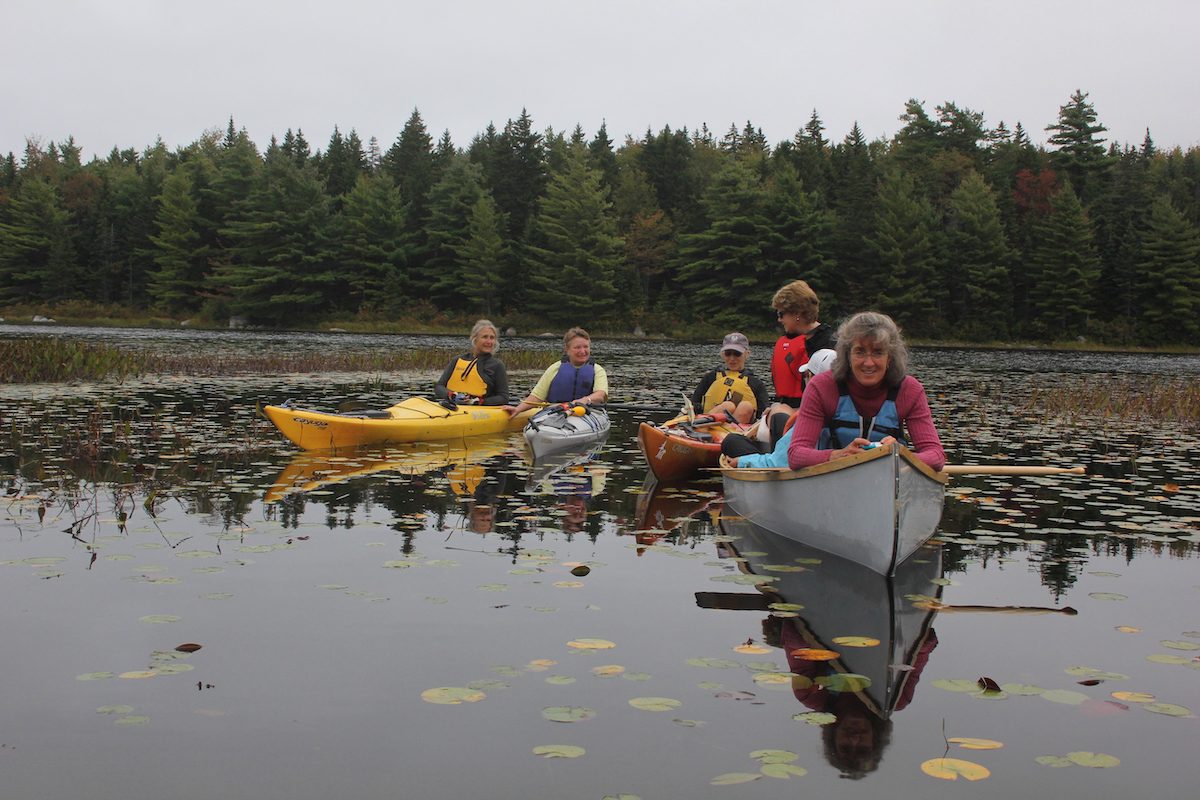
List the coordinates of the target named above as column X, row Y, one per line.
column 556, row 430
column 875, row 508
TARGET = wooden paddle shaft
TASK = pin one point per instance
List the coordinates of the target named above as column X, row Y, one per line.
column 989, row 469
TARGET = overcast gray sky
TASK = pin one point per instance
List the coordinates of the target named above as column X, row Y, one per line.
column 124, row 72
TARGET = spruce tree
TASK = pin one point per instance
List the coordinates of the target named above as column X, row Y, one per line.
column 1065, row 266
column 574, row 264
column 180, row 254
column 481, row 257
column 854, row 195
column 374, row 247
column 1081, row 153
column 978, row 260
column 1169, row 277
column 451, row 202
column 906, row 255
column 36, row 258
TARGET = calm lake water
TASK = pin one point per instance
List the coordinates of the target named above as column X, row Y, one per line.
column 336, row 599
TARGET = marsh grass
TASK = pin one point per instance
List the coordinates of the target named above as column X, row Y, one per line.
column 56, row 360
column 1159, row 399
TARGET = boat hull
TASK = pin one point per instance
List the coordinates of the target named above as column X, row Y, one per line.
column 552, row 430
column 675, row 456
column 875, row 508
column 413, row 420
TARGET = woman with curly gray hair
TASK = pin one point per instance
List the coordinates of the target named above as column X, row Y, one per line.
column 476, row 376
column 867, row 397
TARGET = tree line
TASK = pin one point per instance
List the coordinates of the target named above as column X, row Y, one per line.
column 956, row 229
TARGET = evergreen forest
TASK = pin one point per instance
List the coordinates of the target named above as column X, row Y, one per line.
column 958, row 230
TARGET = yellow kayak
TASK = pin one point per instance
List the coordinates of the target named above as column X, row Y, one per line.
column 413, row 420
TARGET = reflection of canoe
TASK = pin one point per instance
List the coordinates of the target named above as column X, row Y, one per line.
column 309, row 471
column 557, row 428
column 573, row 474
column 875, row 508
column 413, row 420
column 663, row 508
column 842, row 598
column 676, row 450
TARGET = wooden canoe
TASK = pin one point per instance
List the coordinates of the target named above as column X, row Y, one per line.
column 874, row 508
column 839, row 598
column 677, row 451
column 416, row 419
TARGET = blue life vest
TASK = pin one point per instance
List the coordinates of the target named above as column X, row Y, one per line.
column 847, row 424
column 571, row 382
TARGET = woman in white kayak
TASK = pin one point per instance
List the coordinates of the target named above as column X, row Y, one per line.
column 576, row 378
column 477, row 376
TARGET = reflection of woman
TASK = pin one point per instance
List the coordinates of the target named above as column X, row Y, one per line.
column 476, row 376
column 867, row 397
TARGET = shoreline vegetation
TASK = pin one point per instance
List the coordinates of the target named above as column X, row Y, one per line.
column 52, row 359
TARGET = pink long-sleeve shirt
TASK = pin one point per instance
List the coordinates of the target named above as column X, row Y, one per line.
column 820, row 403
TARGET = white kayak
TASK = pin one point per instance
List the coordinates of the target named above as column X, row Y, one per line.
column 562, row 427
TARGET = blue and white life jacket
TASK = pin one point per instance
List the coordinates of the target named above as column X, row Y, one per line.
column 571, row 382
column 847, row 424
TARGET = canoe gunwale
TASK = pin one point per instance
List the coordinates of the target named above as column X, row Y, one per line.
column 835, row 465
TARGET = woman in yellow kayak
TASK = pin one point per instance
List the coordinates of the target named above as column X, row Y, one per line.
column 574, row 379
column 477, row 376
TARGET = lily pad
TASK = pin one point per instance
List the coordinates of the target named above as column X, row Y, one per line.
column 713, row 663
column 655, row 703
column 774, row 756
column 560, row 680
column 784, row 771
column 815, row 718
column 452, row 695
column 1065, row 696
column 159, row 619
column 1087, row 759
column 591, row 644
column 732, row 778
column 118, row 709
column 951, row 769
column 558, row 751
column 855, row 641
column 136, row 719
column 1169, row 709
column 968, row 743
column 844, row 682
column 568, row 713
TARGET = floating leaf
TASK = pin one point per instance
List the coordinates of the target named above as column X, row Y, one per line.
column 95, row 676
column 1086, row 759
column 815, row 718
column 1065, row 696
column 777, row 678
column 131, row 720
column 951, row 769
column 855, row 641
column 452, row 695
column 188, row 647
column 1170, row 709
column 591, row 644
column 540, row 664
column 1023, row 689
column 160, row 619
column 558, row 751
column 607, row 670
column 1179, row 645
column 567, row 713
column 688, row 723
column 714, row 663
column 752, row 649
column 844, row 682
column 731, row 778
column 569, row 584
column 1053, row 761
column 581, row 570
column 1128, row 629
column 655, row 703
column 1167, row 658
column 138, row 674
column 814, row 654
column 745, row 580
column 968, row 743
column 956, row 685
column 785, row 771
column 121, row 709
column 785, row 607
column 1107, row 596
column 774, row 756
column 560, row 680
column 1134, row 697
column 487, row 684
column 987, row 684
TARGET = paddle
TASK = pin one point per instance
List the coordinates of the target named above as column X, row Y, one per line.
column 996, row 469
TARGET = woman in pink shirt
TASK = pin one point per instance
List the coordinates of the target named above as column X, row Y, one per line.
column 867, row 397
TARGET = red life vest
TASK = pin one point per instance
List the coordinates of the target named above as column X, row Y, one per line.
column 790, row 354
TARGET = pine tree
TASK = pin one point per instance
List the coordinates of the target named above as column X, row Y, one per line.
column 451, row 202
column 481, row 257
column 1081, row 154
column 723, row 273
column 854, row 196
column 518, row 179
column 797, row 244
column 374, row 247
column 906, row 255
column 181, row 256
column 1065, row 267
column 978, row 258
column 1169, row 277
column 36, row 259
column 603, row 158
column 409, row 162
column 577, row 246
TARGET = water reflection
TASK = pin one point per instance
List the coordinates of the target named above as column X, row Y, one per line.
column 816, row 600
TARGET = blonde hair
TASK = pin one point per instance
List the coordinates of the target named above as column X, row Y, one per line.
column 574, row 333
column 797, row 298
column 479, row 327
